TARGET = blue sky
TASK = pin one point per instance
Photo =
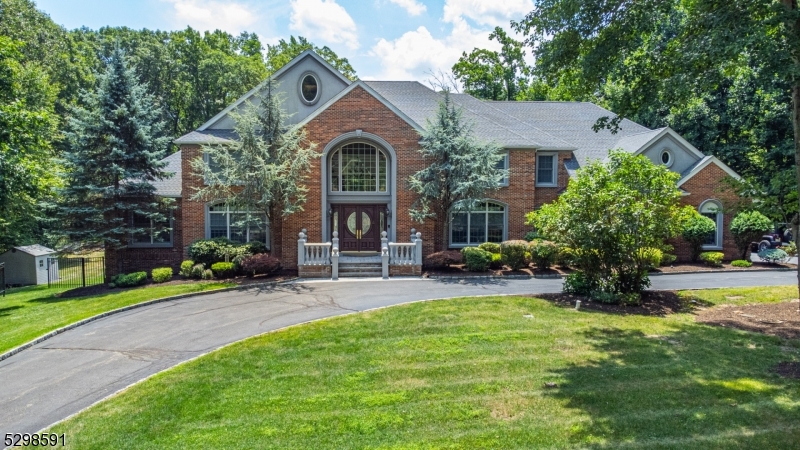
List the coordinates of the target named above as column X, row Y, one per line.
column 383, row 39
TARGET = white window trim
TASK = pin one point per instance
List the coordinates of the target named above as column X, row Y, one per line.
column 475, row 244
column 719, row 221
column 506, row 165
column 227, row 213
column 555, row 170
column 671, row 157
column 152, row 244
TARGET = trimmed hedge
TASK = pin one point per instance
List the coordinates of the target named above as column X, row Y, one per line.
column 260, row 264
column 129, row 280
column 210, row 251
column 475, row 259
column 222, row 269
column 514, row 254
column 543, row 254
column 208, row 274
column 741, row 263
column 161, row 274
column 713, row 259
column 197, row 270
column 186, row 269
column 497, row 261
column 490, row 247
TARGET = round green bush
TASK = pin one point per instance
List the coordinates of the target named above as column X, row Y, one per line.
column 197, row 271
column 741, row 263
column 651, row 257
column 207, row 275
column 130, row 280
column 748, row 227
column 773, row 256
column 186, row 269
column 667, row 259
column 565, row 257
column 161, row 274
column 475, row 259
column 497, row 261
column 695, row 230
column 222, row 269
column 713, row 259
column 514, row 254
column 210, row 251
column 531, row 236
column 543, row 253
column 491, row 247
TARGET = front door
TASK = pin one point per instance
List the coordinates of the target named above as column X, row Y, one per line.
column 359, row 227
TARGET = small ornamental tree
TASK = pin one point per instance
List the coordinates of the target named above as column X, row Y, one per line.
column 611, row 213
column 749, row 226
column 695, row 230
column 460, row 172
column 115, row 144
column 264, row 170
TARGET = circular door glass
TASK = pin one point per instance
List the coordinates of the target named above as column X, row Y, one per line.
column 351, row 223
column 365, row 223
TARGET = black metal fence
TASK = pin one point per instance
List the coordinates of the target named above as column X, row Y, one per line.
column 75, row 272
column 3, row 278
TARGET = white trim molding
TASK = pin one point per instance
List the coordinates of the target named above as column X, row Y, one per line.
column 719, row 221
column 669, row 131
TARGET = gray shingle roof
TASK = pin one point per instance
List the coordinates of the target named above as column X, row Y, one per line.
column 171, row 187
column 206, row 137
column 634, row 142
column 35, row 250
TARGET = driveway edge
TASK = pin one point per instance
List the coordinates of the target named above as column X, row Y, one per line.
column 74, row 325
column 550, row 276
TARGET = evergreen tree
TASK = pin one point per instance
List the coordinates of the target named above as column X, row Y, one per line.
column 264, row 170
column 114, row 149
column 460, row 173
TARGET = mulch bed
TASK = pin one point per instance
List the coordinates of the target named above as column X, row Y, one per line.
column 700, row 267
column 654, row 303
column 101, row 289
column 777, row 319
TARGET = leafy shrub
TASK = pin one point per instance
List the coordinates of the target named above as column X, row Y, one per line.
column 475, row 259
column 651, row 257
column 222, row 269
column 748, row 227
column 131, row 279
column 210, row 251
column 440, row 260
column 260, row 264
column 667, row 259
column 514, row 254
column 741, row 263
column 186, row 269
column 490, row 247
column 713, row 259
column 790, row 248
column 579, row 284
column 543, row 253
column 197, row 270
column 256, row 247
column 694, row 230
column 773, row 256
column 497, row 261
column 565, row 257
column 531, row 236
column 207, row 275
column 161, row 274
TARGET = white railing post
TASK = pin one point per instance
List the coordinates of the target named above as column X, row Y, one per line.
column 301, row 248
column 335, row 263
column 413, row 235
column 335, row 240
column 418, row 250
column 385, row 262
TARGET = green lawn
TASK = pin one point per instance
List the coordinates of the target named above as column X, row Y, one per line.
column 470, row 373
column 27, row 313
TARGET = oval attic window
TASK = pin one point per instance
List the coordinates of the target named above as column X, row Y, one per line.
column 309, row 88
column 666, row 158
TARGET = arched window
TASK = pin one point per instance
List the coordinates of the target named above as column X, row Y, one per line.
column 238, row 225
column 485, row 223
column 358, row 167
column 713, row 210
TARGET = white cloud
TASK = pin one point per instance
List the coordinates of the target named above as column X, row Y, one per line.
column 205, row 15
column 487, row 12
column 412, row 7
column 324, row 19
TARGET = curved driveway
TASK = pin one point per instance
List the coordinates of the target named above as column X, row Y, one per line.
column 77, row 368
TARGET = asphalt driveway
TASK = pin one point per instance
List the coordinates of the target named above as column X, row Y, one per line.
column 63, row 375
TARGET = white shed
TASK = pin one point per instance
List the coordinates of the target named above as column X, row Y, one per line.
column 27, row 265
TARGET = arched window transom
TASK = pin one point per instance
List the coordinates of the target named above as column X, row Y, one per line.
column 236, row 224
column 485, row 223
column 713, row 210
column 358, row 167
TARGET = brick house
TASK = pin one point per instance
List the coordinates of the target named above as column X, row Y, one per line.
column 368, row 136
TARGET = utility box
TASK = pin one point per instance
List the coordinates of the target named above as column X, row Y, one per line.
column 28, row 264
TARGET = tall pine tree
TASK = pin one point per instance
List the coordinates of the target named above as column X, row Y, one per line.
column 265, row 170
column 115, row 144
column 461, row 171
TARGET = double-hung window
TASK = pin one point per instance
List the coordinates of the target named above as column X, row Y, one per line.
column 503, row 165
column 546, row 173
column 485, row 223
column 237, row 225
column 156, row 234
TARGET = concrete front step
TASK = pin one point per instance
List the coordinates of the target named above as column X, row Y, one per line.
column 346, row 269
column 370, row 274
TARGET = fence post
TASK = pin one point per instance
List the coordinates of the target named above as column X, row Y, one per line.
column 418, row 250
column 335, row 263
column 301, row 248
column 83, row 272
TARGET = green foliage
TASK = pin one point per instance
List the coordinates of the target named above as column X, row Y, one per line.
column 491, row 247
column 129, row 280
column 280, row 54
column 713, row 259
column 790, row 248
column 578, row 283
column 186, row 269
column 460, row 172
column 514, row 254
column 207, row 274
column 695, row 231
column 609, row 214
column 210, row 251
column 748, row 227
column 197, row 271
column 223, row 269
column 566, row 257
column 114, row 149
column 260, row 264
column 256, row 247
column 530, row 236
column 741, row 263
column 497, row 261
column 667, row 259
column 492, row 75
column 773, row 256
column 651, row 257
column 543, row 253
column 265, row 170
column 161, row 274
column 476, row 260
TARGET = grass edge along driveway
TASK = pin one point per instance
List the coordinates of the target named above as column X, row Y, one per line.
column 29, row 312
column 471, row 373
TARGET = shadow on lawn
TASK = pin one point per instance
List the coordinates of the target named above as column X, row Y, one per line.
column 7, row 311
column 654, row 303
column 697, row 387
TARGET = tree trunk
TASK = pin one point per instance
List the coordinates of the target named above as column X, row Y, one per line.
column 796, row 120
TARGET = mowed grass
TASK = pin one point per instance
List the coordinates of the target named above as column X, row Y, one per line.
column 27, row 313
column 467, row 373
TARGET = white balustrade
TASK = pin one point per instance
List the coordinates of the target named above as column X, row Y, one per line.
column 317, row 254
column 402, row 254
